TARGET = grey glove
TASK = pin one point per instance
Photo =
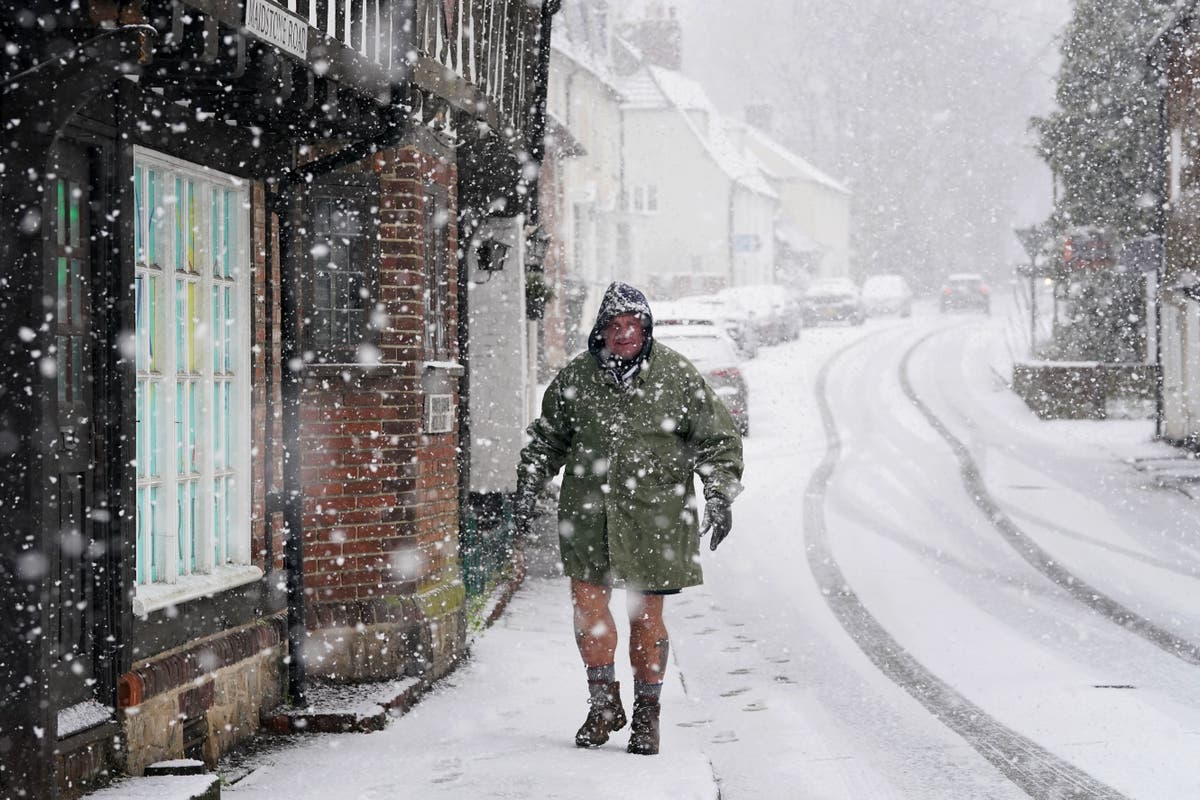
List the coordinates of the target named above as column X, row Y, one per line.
column 524, row 510
column 718, row 518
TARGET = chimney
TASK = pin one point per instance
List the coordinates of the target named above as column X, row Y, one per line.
column 761, row 116
column 659, row 37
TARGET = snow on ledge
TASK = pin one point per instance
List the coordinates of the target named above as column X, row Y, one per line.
column 81, row 716
column 155, row 596
column 160, row 787
column 453, row 367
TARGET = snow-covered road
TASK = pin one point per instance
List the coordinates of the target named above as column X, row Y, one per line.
column 897, row 614
column 952, row 664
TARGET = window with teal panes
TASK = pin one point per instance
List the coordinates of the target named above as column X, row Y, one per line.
column 140, row 559
column 192, row 328
column 156, row 543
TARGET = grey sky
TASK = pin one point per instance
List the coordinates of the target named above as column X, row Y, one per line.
column 922, row 107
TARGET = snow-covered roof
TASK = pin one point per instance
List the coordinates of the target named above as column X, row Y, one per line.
column 795, row 238
column 559, row 140
column 640, row 91
column 656, row 88
column 580, row 55
column 784, row 164
column 684, row 93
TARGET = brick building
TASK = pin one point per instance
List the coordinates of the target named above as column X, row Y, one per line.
column 236, row 355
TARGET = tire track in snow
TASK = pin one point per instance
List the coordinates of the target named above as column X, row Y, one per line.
column 1029, row 550
column 1032, row 768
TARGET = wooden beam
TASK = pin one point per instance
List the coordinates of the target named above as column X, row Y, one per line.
column 339, row 22
column 440, row 81
column 210, row 41
column 322, row 7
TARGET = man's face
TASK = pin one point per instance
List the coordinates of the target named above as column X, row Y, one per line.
column 624, row 337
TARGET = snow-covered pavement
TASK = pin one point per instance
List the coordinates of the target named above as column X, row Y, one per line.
column 502, row 726
column 868, row 631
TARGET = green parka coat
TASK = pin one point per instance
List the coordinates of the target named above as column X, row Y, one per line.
column 627, row 510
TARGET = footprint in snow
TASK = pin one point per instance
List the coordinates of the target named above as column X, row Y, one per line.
column 725, row 737
column 450, row 769
column 755, row 707
column 735, row 692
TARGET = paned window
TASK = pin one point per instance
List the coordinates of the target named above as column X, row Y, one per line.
column 192, row 293
column 343, row 283
column 437, row 275
column 643, row 198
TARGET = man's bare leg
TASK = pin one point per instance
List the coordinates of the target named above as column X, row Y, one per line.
column 649, row 645
column 596, row 636
column 649, row 649
column 595, row 631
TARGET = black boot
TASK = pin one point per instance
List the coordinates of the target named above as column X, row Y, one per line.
column 643, row 737
column 605, row 715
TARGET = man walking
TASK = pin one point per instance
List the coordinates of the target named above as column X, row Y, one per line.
column 631, row 421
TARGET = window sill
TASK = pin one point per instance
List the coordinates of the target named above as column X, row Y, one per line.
column 328, row 369
column 156, row 596
column 451, row 367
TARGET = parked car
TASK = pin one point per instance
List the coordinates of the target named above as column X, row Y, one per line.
column 715, row 356
column 886, row 294
column 767, row 306
column 832, row 300
column 966, row 290
column 731, row 318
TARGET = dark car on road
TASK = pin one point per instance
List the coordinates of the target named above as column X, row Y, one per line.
column 966, row 290
column 832, row 300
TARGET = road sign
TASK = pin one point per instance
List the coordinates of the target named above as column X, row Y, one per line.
column 1032, row 239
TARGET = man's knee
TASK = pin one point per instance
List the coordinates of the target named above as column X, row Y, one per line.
column 646, row 609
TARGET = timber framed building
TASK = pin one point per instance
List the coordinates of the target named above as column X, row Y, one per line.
column 235, row 347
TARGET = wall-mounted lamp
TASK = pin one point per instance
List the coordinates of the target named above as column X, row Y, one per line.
column 490, row 255
column 537, row 245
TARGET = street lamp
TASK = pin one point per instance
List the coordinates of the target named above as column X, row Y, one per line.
column 490, row 255
column 537, row 245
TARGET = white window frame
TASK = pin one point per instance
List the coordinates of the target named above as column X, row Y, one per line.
column 642, row 198
column 171, row 585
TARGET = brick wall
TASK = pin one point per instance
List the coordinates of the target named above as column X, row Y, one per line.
column 216, row 687
column 381, row 495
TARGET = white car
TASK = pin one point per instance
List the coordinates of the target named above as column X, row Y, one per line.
column 708, row 308
column 713, row 353
column 767, row 305
column 886, row 294
column 833, row 300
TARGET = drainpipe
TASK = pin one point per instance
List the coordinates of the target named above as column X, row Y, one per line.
column 291, row 388
column 1160, row 224
column 291, row 500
